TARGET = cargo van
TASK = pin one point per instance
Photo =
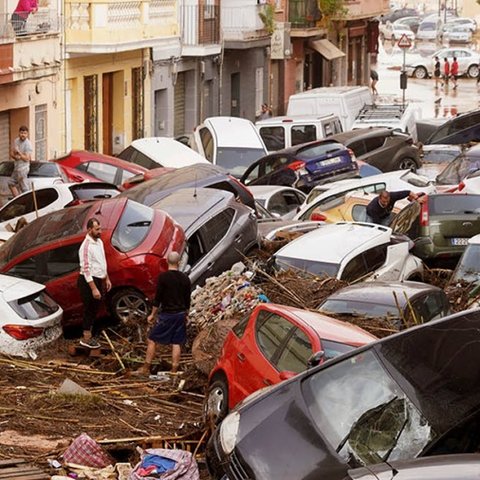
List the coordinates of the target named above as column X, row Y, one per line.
column 345, row 102
column 283, row 132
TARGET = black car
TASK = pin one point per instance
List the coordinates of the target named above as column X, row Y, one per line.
column 199, row 175
column 413, row 394
column 383, row 148
column 463, row 128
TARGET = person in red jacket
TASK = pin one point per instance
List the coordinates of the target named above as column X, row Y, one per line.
column 20, row 14
column 446, row 71
column 454, row 72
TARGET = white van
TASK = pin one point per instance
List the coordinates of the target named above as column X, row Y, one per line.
column 345, row 102
column 229, row 142
column 283, row 132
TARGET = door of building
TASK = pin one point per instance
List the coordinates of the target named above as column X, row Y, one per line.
column 107, row 115
column 4, row 136
column 235, row 95
column 179, row 107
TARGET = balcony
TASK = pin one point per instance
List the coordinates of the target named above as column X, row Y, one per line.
column 200, row 29
column 33, row 52
column 358, row 9
column 242, row 26
column 103, row 26
column 304, row 16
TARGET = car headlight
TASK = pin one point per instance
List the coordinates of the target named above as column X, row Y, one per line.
column 228, row 432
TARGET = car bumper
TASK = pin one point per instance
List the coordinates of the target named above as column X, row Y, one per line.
column 307, row 182
column 427, row 250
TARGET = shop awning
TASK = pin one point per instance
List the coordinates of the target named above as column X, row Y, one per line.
column 326, row 49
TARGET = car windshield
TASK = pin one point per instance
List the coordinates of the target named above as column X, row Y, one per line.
column 453, row 204
column 315, row 151
column 235, row 160
column 54, row 226
column 440, row 156
column 133, row 226
column 458, row 169
column 468, row 268
column 317, row 268
column 363, row 309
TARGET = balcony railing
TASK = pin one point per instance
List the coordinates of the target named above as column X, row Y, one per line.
column 242, row 23
column 303, row 13
column 200, row 24
column 42, row 22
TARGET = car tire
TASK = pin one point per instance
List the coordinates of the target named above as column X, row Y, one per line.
column 406, row 163
column 130, row 306
column 216, row 401
column 420, row 73
column 472, row 71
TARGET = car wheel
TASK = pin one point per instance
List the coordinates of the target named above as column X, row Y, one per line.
column 129, row 306
column 406, row 163
column 420, row 73
column 216, row 402
column 473, row 71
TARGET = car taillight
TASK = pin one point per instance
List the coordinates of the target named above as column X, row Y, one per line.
column 318, row 217
column 22, row 332
column 296, row 165
column 424, row 214
column 461, row 186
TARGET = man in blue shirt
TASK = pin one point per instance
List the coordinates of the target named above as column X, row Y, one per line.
column 379, row 210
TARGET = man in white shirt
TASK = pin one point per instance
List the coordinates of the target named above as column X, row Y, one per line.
column 21, row 153
column 93, row 279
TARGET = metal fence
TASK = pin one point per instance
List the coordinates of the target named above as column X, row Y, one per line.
column 42, row 22
column 200, row 24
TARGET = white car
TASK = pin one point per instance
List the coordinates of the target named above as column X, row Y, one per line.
column 470, row 184
column 469, row 23
column 394, row 31
column 283, row 202
column 456, row 33
column 468, row 60
column 327, row 194
column 350, row 252
column 33, row 204
column 155, row 152
column 42, row 174
column 30, row 318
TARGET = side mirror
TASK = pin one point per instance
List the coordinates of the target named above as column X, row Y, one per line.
column 285, row 375
column 315, row 359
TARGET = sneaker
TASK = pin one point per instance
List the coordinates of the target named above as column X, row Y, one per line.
column 92, row 343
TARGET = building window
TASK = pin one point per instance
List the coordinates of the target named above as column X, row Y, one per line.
column 41, row 133
column 137, row 103
column 90, row 88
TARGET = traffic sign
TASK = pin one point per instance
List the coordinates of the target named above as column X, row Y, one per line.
column 404, row 41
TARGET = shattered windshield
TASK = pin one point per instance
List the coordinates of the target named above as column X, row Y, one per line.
column 468, row 268
column 458, row 169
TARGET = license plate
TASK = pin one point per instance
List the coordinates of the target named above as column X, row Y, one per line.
column 329, row 161
column 459, row 241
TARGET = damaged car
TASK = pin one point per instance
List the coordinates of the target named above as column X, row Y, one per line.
column 413, row 394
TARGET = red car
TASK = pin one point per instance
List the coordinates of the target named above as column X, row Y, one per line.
column 143, row 177
column 80, row 165
column 137, row 240
column 274, row 343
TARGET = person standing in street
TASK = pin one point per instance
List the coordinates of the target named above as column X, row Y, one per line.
column 454, row 72
column 93, row 280
column 21, row 154
column 446, row 72
column 437, row 71
column 172, row 303
column 379, row 210
column 20, row 15
column 374, row 80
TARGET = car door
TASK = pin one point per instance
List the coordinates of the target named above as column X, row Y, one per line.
column 377, row 152
column 285, row 203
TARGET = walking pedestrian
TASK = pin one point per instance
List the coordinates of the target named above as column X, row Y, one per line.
column 374, row 80
column 21, row 153
column 93, row 280
column 446, row 72
column 20, row 15
column 454, row 72
column 172, row 303
column 437, row 71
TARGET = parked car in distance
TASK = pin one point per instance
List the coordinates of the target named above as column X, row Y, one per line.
column 137, row 240
column 350, row 251
column 219, row 231
column 41, row 174
column 461, row 129
column 456, row 33
column 31, row 319
column 436, row 157
column 195, row 176
column 403, row 304
column 441, row 226
column 281, row 201
column 282, row 132
column 383, row 148
column 430, row 28
column 411, row 22
column 421, row 67
column 469, row 23
column 468, row 267
column 272, row 343
column 457, row 170
column 394, row 15
column 154, row 152
column 31, row 205
column 363, row 408
column 303, row 166
column 81, row 165
column 230, row 142
column 394, row 31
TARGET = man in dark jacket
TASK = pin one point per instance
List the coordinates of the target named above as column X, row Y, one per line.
column 379, row 210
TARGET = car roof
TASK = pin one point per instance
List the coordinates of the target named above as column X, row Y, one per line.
column 361, row 133
column 266, row 191
column 291, row 119
column 326, row 327
column 331, row 91
column 167, row 151
column 229, row 132
column 332, row 243
column 189, row 205
column 383, row 292
column 86, row 156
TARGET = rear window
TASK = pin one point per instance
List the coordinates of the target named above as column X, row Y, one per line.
column 38, row 305
column 454, row 204
column 133, row 226
column 236, row 159
column 273, row 137
column 317, row 268
column 314, row 151
column 131, row 154
column 358, row 308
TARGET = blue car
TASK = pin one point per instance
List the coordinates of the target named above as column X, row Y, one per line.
column 303, row 166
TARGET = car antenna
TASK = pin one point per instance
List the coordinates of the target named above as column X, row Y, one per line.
column 195, row 187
